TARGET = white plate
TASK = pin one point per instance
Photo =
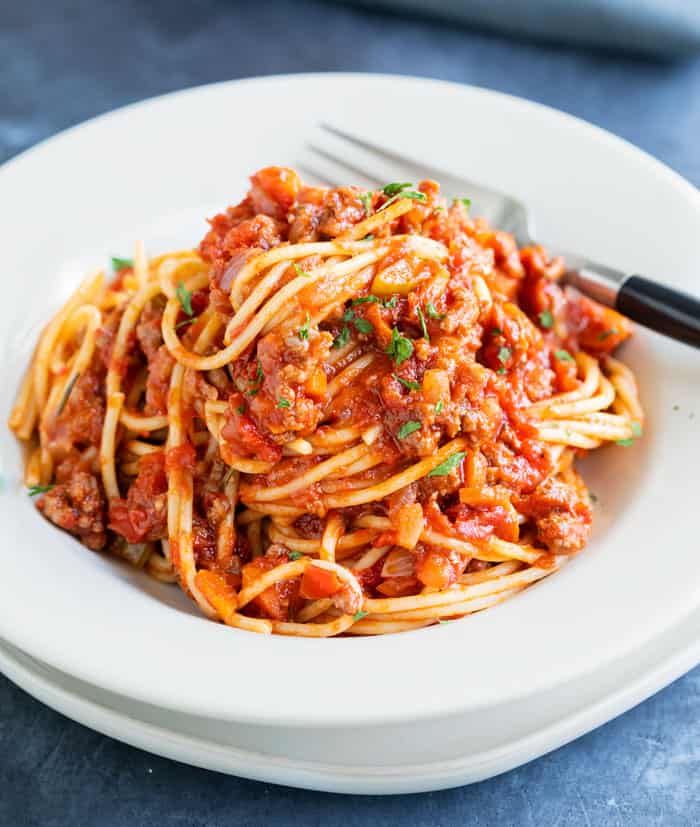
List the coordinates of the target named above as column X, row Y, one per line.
column 153, row 171
column 408, row 758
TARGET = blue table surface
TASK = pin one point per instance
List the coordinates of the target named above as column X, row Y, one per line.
column 62, row 63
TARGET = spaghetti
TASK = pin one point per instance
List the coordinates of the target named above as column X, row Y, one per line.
column 347, row 412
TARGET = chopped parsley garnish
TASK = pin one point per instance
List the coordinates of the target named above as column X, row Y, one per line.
column 625, row 442
column 66, row 394
column 442, row 621
column 368, row 237
column 438, row 406
column 445, row 467
column 366, row 299
column 183, row 323
column 366, row 198
column 504, row 355
column 408, row 428
column 295, row 555
column 501, row 371
column 299, row 271
column 563, row 356
column 400, row 190
column 342, row 338
column 466, row 201
column 423, row 328
column 636, row 429
column 393, row 189
column 283, row 403
column 359, row 615
column 362, row 326
column 240, row 410
column 391, row 303
column 613, row 331
column 400, row 348
column 185, row 298
column 431, row 310
column 257, row 380
column 304, row 329
column 38, row 489
column 676, row 407
column 546, row 319
column 121, row 263
column 412, row 386
column 497, row 331
column 348, row 316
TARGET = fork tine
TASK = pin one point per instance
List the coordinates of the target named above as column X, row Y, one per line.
column 329, row 156
column 475, row 190
column 314, row 173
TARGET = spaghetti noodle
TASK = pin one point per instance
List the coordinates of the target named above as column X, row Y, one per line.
column 347, row 412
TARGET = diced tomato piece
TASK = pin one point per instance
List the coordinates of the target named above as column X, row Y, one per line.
column 317, row 583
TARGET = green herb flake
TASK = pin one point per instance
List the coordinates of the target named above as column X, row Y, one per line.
column 348, row 316
column 438, row 406
column 185, row 298
column 363, row 326
column 254, row 392
column 184, row 323
column 496, row 331
column 66, row 393
column 359, row 615
column 283, row 403
column 636, row 429
column 368, row 237
column 613, row 331
column 466, row 201
column 121, row 263
column 299, row 271
column 676, row 407
column 304, row 329
column 366, row 199
column 546, row 319
column 448, row 465
column 563, row 356
column 342, row 338
column 421, row 319
column 408, row 428
column 407, row 383
column 393, row 189
column 593, row 497
column 295, row 555
column 33, row 490
column 431, row 310
column 443, row 622
column 391, row 303
column 240, row 410
column 625, row 442
column 501, row 371
column 400, row 348
column 366, row 300
column 504, row 355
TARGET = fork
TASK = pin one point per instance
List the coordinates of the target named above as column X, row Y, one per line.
column 650, row 303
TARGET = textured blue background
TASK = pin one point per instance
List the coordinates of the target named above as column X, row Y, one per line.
column 64, row 63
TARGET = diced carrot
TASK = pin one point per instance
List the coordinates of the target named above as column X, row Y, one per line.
column 436, row 386
column 316, row 384
column 317, row 583
column 409, row 521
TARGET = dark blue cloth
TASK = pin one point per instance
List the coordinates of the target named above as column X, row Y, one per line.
column 63, row 62
column 663, row 27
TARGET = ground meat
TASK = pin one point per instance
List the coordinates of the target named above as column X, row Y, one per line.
column 562, row 518
column 78, row 506
column 142, row 516
column 148, row 330
column 158, row 381
column 80, row 421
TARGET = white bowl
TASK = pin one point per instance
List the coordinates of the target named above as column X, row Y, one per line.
column 154, row 171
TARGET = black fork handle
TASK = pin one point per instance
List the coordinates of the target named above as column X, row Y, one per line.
column 668, row 311
column 660, row 308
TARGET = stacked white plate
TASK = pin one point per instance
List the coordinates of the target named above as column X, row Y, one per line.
column 423, row 710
